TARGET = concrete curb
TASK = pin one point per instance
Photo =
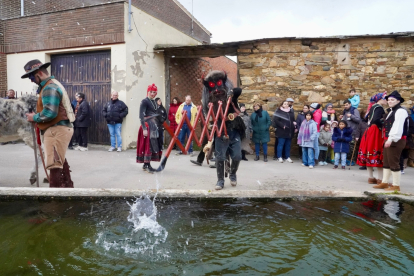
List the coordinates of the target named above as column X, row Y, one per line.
column 97, row 194
column 409, row 199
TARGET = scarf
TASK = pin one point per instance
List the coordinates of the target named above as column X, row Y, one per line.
column 285, row 109
column 258, row 114
column 304, row 132
column 374, row 99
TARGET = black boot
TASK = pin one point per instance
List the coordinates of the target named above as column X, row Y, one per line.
column 265, row 158
column 144, row 168
column 244, row 156
column 220, row 175
column 233, row 169
column 257, row 158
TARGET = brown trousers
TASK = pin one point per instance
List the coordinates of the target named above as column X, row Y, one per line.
column 392, row 155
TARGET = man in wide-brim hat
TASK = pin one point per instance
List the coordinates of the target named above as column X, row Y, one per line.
column 395, row 128
column 54, row 117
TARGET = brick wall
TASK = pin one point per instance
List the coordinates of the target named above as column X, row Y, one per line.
column 169, row 12
column 103, row 24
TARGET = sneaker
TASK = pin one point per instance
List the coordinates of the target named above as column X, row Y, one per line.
column 321, row 163
column 335, row 167
column 119, row 149
column 196, row 163
column 76, row 147
column 402, row 172
column 343, row 167
column 303, row 165
column 191, row 154
column 326, row 163
column 111, row 149
column 71, row 148
column 289, row 160
column 179, row 153
column 280, row 160
column 311, row 167
column 274, row 158
column 83, row 148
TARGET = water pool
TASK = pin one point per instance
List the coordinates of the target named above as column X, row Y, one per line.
column 140, row 237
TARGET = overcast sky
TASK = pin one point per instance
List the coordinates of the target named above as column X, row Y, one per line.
column 234, row 20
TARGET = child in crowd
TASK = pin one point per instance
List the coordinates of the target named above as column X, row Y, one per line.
column 331, row 153
column 306, row 137
column 354, row 98
column 342, row 136
column 325, row 140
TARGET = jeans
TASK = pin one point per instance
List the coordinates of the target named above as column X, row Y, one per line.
column 308, row 158
column 115, row 130
column 342, row 156
column 257, row 148
column 185, row 130
column 316, row 145
column 283, row 144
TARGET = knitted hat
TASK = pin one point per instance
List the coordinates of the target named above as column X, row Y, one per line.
column 315, row 105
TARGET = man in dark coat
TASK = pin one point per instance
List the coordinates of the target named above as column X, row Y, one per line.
column 82, row 122
column 114, row 112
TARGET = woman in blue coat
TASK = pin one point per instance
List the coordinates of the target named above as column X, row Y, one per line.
column 260, row 124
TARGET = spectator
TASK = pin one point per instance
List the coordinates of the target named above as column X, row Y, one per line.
column 114, row 112
column 171, row 115
column 82, row 122
column 325, row 141
column 410, row 162
column 162, row 117
column 396, row 129
column 260, row 121
column 299, row 119
column 354, row 98
column 317, row 117
column 328, row 114
column 307, row 135
column 362, row 127
column 73, row 139
column 246, row 141
column 342, row 136
column 185, row 130
column 11, row 95
column 353, row 118
column 290, row 102
column 284, row 122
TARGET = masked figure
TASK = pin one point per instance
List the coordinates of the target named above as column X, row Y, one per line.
column 218, row 88
column 149, row 144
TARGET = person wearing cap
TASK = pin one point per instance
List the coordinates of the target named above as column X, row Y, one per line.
column 396, row 130
column 290, row 103
column 149, row 143
column 54, row 117
column 114, row 112
column 370, row 152
column 317, row 117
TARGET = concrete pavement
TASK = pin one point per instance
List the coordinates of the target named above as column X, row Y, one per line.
column 99, row 169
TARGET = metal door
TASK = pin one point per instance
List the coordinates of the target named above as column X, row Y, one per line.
column 88, row 73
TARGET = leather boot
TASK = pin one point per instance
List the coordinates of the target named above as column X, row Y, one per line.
column 220, row 175
column 257, row 158
column 54, row 178
column 265, row 158
column 233, row 169
column 66, row 178
column 60, row 178
column 244, row 156
column 381, row 186
column 372, row 180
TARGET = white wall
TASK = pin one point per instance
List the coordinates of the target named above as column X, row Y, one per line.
column 144, row 66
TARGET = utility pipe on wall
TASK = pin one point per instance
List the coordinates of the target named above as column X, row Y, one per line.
column 129, row 16
column 21, row 7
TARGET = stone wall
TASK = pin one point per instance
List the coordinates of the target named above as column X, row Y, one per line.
column 324, row 70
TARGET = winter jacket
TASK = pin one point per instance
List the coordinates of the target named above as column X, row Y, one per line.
column 325, row 137
column 162, row 115
column 300, row 119
column 363, row 125
column 313, row 132
column 179, row 113
column 171, row 115
column 260, row 128
column 354, row 120
column 247, row 123
column 328, row 118
column 317, row 117
column 342, row 139
column 83, row 117
column 354, row 101
column 115, row 112
column 283, row 122
column 412, row 112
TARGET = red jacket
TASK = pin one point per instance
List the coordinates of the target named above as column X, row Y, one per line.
column 317, row 117
column 171, row 115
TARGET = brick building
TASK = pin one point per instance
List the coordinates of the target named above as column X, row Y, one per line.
column 94, row 48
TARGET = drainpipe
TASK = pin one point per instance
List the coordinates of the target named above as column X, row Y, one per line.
column 21, row 7
column 129, row 16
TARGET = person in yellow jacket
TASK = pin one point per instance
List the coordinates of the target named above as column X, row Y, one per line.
column 185, row 130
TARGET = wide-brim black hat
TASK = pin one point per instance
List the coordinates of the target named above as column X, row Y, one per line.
column 396, row 95
column 34, row 65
